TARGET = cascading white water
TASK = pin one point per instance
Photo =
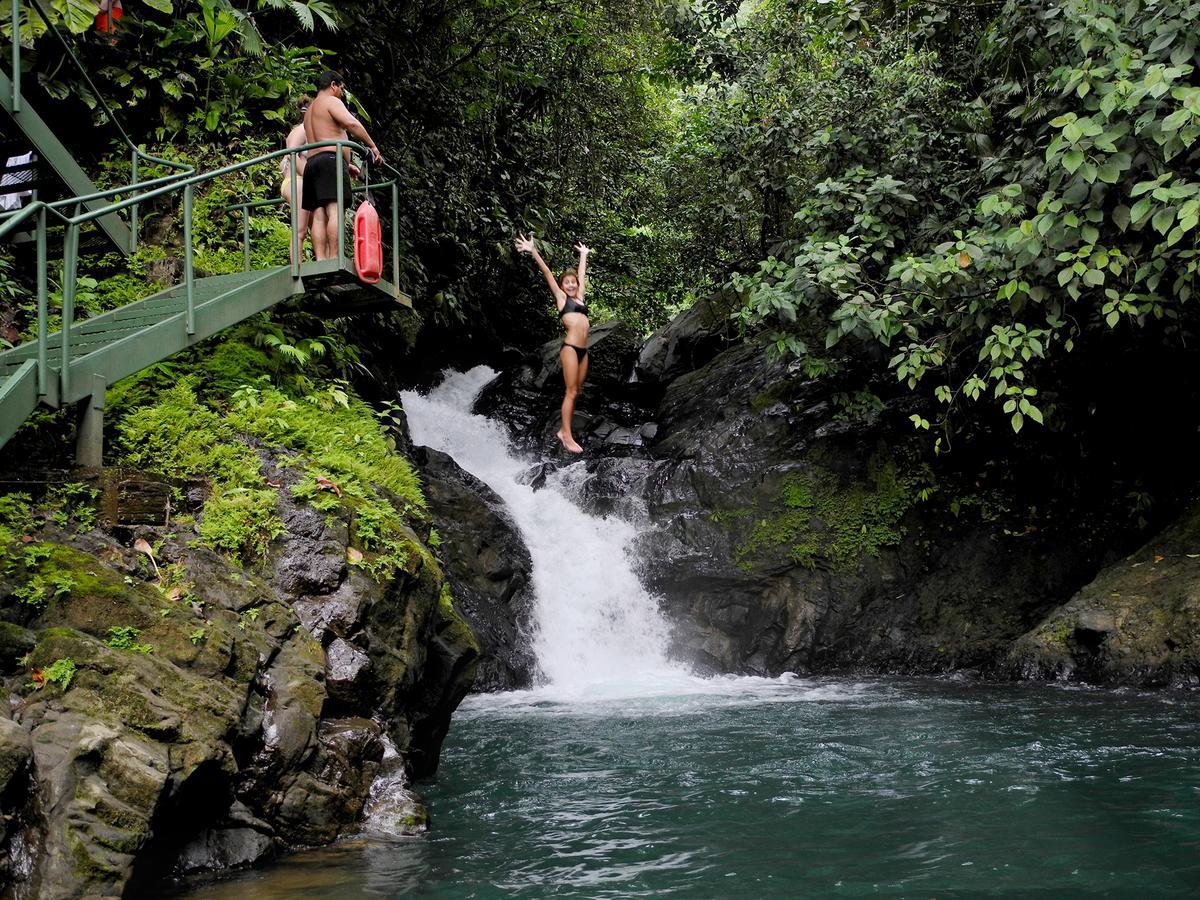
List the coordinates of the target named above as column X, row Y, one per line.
column 595, row 623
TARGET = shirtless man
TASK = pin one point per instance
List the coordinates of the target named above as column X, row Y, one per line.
column 296, row 138
column 328, row 119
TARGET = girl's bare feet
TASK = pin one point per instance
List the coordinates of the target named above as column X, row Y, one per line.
column 568, row 442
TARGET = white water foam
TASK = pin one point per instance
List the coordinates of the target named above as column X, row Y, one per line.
column 598, row 631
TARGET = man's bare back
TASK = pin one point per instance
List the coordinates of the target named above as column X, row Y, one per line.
column 322, row 121
column 328, row 119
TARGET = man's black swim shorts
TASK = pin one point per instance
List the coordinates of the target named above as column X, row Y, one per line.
column 320, row 181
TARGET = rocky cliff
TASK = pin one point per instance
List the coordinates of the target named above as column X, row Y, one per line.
column 172, row 711
column 794, row 526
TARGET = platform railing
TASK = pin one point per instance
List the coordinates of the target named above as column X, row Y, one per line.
column 73, row 214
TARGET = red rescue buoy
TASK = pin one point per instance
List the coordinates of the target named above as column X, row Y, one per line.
column 368, row 243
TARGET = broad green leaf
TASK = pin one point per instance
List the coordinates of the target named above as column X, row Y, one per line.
column 1176, row 120
column 1162, row 219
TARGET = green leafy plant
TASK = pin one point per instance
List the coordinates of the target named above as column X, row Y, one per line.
column 72, row 503
column 43, row 587
column 124, row 637
column 61, row 672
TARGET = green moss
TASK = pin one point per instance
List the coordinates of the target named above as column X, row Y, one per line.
column 88, row 868
column 182, row 438
column 772, row 395
column 456, row 628
column 45, row 572
column 339, row 433
column 818, row 517
column 348, row 463
column 1057, row 632
column 241, row 522
column 193, row 421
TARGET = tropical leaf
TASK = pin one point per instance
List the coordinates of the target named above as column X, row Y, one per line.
column 77, row 15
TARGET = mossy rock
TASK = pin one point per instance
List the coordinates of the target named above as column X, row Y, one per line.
column 1137, row 622
column 821, row 518
column 15, row 642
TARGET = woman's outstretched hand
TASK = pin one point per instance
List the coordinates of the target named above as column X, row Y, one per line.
column 583, row 248
column 525, row 244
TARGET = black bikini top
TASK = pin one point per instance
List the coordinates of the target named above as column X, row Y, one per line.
column 572, row 306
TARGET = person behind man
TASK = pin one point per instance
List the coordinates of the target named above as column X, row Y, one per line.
column 296, row 138
column 328, row 119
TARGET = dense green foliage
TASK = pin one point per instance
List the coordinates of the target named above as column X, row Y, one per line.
column 980, row 202
column 216, row 415
column 188, row 69
column 985, row 222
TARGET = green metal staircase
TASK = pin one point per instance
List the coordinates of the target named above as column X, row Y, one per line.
column 79, row 362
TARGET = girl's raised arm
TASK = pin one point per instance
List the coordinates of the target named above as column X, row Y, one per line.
column 584, row 250
column 526, row 245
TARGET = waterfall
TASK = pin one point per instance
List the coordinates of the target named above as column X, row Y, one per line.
column 594, row 623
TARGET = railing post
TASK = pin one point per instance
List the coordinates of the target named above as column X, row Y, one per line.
column 70, row 267
column 16, row 56
column 296, row 244
column 43, row 312
column 188, row 281
column 396, row 237
column 341, row 210
column 133, row 210
column 245, row 239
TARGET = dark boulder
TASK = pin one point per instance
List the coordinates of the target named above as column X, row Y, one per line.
column 487, row 567
column 688, row 341
column 528, row 398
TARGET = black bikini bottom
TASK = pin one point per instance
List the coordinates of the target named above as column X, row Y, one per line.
column 580, row 352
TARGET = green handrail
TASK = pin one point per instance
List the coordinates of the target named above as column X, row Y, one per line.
column 78, row 216
column 12, row 220
column 278, row 201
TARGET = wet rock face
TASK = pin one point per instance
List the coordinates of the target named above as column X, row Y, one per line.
column 215, row 716
column 488, row 569
column 687, row 342
column 1137, row 622
column 788, row 532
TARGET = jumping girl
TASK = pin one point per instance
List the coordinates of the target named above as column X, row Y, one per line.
column 568, row 295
